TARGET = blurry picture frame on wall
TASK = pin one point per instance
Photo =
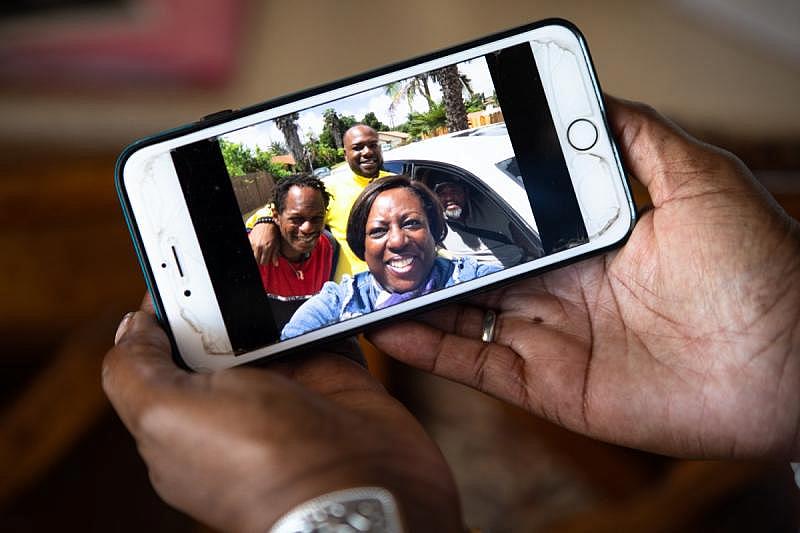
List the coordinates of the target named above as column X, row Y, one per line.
column 116, row 44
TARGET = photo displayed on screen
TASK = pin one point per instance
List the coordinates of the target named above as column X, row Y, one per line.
column 448, row 217
column 383, row 196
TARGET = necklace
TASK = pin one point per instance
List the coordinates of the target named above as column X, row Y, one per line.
column 301, row 264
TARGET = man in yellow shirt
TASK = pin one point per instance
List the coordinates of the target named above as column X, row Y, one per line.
column 362, row 151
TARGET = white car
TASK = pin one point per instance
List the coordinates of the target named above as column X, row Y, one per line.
column 483, row 159
column 321, row 172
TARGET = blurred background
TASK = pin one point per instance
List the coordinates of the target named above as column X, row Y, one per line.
column 79, row 80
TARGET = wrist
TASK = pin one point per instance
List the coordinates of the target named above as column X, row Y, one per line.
column 266, row 212
column 792, row 366
column 424, row 498
column 772, row 353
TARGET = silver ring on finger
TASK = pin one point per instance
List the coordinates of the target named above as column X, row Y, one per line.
column 489, row 320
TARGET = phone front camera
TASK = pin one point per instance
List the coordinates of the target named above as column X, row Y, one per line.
column 187, row 293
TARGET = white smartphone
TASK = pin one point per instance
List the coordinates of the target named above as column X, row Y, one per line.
column 506, row 168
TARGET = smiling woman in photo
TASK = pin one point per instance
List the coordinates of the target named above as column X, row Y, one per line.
column 395, row 226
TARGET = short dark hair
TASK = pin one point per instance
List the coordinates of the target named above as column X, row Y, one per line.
column 299, row 180
column 357, row 222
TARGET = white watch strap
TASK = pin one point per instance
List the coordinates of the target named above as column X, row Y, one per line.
column 371, row 509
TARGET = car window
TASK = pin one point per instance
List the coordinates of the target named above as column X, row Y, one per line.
column 478, row 191
column 395, row 167
column 511, row 168
column 483, row 199
column 430, row 176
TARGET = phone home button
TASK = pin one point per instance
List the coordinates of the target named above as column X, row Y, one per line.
column 582, row 134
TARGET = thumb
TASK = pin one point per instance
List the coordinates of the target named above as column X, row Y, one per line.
column 664, row 158
column 139, row 367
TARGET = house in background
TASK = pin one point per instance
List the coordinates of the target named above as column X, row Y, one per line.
column 285, row 160
column 392, row 139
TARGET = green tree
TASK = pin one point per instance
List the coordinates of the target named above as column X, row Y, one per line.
column 475, row 103
column 334, row 127
column 323, row 155
column 331, row 129
column 288, row 126
column 426, row 123
column 372, row 121
column 452, row 84
column 278, row 148
column 241, row 160
column 348, row 121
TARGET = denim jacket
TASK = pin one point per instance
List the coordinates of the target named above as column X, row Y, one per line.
column 355, row 296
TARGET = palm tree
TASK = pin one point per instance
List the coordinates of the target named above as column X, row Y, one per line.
column 466, row 83
column 452, row 84
column 288, row 126
column 425, row 124
column 278, row 148
column 334, row 124
column 407, row 89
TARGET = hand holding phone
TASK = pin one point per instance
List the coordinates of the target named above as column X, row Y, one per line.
column 520, row 174
column 682, row 343
column 545, row 176
column 238, row 449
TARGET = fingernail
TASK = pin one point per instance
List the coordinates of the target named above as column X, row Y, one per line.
column 123, row 326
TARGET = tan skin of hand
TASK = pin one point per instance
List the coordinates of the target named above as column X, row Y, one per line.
column 265, row 242
column 239, row 448
column 685, row 342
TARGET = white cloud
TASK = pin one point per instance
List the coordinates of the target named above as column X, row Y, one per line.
column 310, row 122
column 260, row 135
column 478, row 73
column 379, row 104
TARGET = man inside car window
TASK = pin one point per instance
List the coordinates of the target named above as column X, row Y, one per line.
column 476, row 229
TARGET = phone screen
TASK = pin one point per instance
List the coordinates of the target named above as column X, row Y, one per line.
column 486, row 198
